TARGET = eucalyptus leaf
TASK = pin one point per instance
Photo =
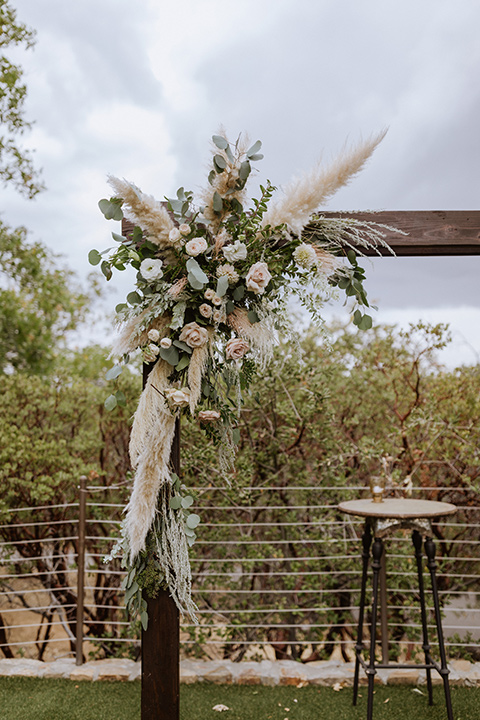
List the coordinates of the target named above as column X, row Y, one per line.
column 365, row 323
column 236, row 436
column 121, row 399
column 118, row 238
column 187, row 501
column 111, row 209
column 110, row 403
column 120, row 307
column 170, row 355
column 183, row 346
column 144, row 620
column 222, row 285
column 192, row 521
column 254, row 149
column 257, row 156
column 183, row 363
column 176, row 502
column 229, row 307
column 94, row 257
column 245, row 169
column 252, row 316
column 194, row 283
column 239, row 292
column 217, row 202
column 133, row 298
column 219, row 163
column 194, row 268
column 113, row 372
column 220, row 142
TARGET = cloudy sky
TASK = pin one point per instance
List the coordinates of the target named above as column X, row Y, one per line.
column 136, row 89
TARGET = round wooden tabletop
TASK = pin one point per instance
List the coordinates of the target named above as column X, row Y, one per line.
column 397, row 508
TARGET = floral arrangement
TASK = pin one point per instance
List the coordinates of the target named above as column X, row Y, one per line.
column 213, row 288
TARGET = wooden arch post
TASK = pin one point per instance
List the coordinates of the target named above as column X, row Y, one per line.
column 430, row 233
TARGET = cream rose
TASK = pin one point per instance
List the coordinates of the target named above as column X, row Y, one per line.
column 153, row 335
column 258, row 278
column 208, row 416
column 178, row 397
column 195, row 246
column 184, row 229
column 205, row 310
column 150, row 352
column 209, row 294
column 236, row 348
column 216, row 300
column 194, row 335
column 174, row 236
column 165, row 342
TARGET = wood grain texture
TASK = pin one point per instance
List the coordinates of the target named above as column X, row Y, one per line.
column 161, row 640
column 430, row 232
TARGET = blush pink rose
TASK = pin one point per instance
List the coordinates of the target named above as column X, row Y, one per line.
column 236, row 348
column 194, row 335
column 196, row 246
column 258, row 278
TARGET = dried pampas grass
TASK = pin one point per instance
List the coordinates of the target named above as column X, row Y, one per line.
column 305, row 195
column 145, row 211
column 260, row 335
column 150, row 445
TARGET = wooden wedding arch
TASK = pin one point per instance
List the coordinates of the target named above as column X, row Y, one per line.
column 431, row 233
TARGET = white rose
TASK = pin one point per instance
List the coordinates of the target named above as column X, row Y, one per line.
column 305, row 256
column 174, row 236
column 236, row 348
column 236, row 251
column 194, row 335
column 216, row 300
column 165, row 342
column 178, row 397
column 153, row 335
column 184, row 229
column 209, row 294
column 196, row 246
column 205, row 310
column 151, row 269
column 258, row 278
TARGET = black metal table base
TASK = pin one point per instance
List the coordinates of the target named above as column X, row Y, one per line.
column 371, row 667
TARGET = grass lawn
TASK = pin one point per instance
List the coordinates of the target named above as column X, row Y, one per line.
column 37, row 699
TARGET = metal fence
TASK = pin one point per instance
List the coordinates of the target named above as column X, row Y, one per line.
column 276, row 573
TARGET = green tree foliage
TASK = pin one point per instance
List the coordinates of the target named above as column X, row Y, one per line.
column 16, row 166
column 310, row 430
column 39, row 303
column 53, row 430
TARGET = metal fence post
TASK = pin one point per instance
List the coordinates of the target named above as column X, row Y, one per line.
column 81, row 569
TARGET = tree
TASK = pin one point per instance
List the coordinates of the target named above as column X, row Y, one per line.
column 16, row 166
column 39, row 303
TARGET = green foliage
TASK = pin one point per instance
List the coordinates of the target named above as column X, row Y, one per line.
column 16, row 166
column 39, row 303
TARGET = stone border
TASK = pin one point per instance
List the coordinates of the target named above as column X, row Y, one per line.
column 328, row 673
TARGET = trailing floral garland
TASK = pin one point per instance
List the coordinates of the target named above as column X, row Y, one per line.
column 212, row 293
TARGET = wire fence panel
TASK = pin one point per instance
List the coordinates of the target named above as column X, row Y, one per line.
column 276, row 573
